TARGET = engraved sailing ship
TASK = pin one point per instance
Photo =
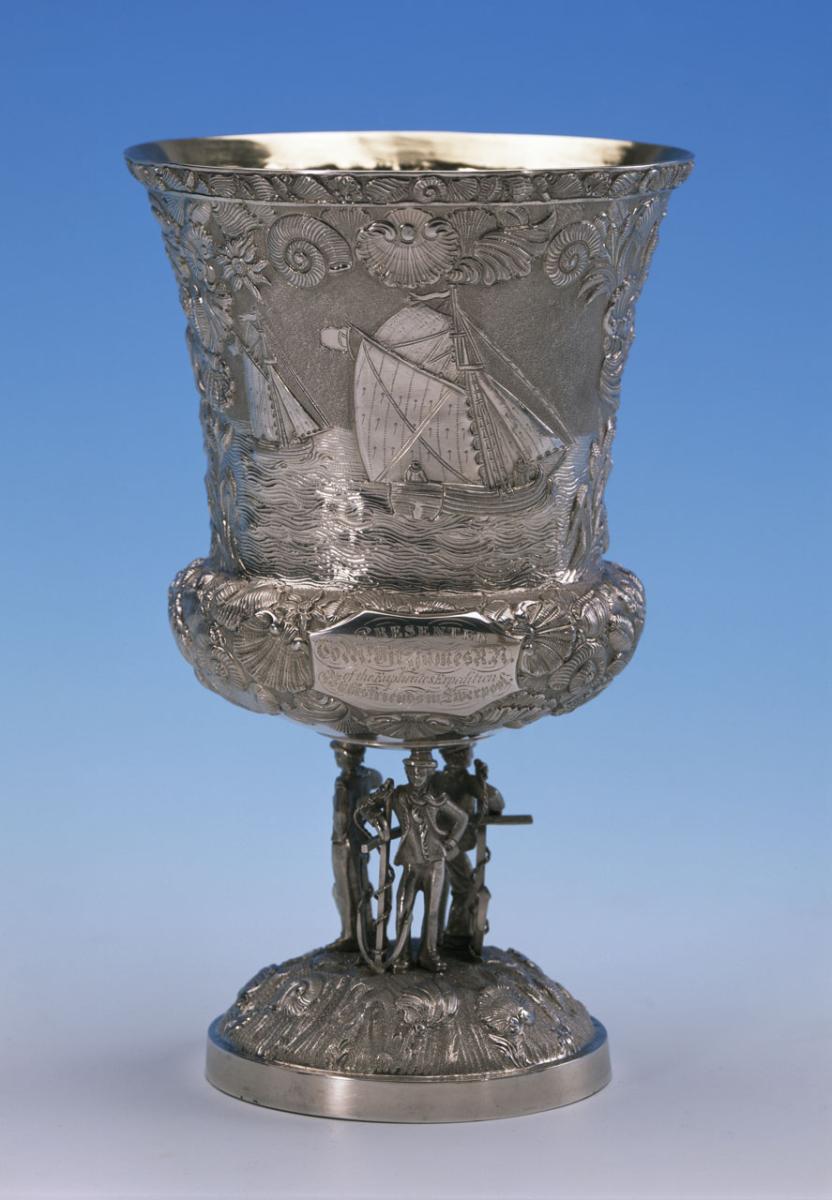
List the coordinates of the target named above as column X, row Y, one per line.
column 275, row 413
column 437, row 431
column 284, row 415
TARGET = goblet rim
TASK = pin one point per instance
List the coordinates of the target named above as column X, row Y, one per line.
column 369, row 153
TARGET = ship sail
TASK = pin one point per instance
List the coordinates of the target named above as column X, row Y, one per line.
column 275, row 413
column 425, row 412
column 406, row 415
column 528, row 439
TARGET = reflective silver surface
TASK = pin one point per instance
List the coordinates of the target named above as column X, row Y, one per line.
column 380, row 151
column 393, row 1099
column 409, row 350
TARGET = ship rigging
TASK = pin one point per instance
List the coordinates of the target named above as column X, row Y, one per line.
column 431, row 420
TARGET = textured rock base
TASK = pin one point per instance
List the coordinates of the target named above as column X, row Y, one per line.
column 322, row 1034
column 328, row 1011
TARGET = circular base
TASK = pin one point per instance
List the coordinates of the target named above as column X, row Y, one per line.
column 414, row 1098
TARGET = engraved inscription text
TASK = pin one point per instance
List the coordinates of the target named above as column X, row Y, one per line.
column 454, row 663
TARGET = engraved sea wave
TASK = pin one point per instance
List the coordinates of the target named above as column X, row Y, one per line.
column 307, row 517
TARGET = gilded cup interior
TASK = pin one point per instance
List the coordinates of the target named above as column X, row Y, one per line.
column 402, row 151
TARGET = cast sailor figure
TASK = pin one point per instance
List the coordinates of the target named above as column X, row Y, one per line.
column 431, row 829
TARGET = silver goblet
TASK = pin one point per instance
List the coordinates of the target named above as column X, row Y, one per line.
column 408, row 348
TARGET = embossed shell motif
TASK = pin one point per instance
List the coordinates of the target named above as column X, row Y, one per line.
column 274, row 653
column 571, row 252
column 409, row 248
column 304, row 249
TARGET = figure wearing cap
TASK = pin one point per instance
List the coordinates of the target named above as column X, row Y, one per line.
column 431, row 829
column 349, row 865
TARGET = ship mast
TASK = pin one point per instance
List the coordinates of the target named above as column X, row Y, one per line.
column 492, row 462
column 473, row 430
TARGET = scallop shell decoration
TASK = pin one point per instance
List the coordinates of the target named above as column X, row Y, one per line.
column 409, row 248
column 304, row 250
column 274, row 654
column 571, row 252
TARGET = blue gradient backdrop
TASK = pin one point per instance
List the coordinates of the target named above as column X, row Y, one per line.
column 154, row 838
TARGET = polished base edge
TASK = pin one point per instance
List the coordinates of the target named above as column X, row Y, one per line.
column 414, row 1099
